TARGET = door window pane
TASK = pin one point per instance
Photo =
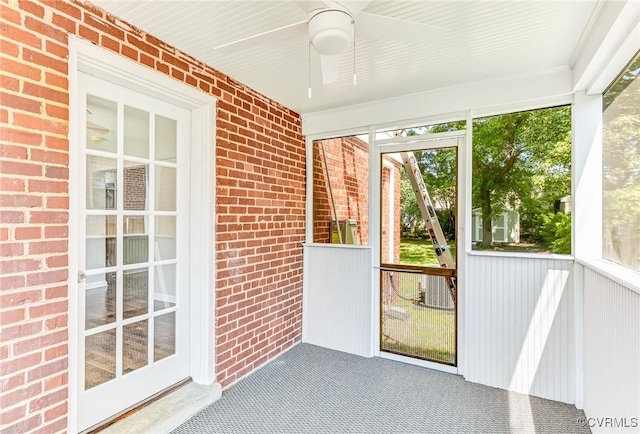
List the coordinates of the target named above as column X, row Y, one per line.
column 135, row 338
column 100, row 241
column 136, row 132
column 164, row 336
column 165, row 238
column 100, row 300
column 165, row 194
column 136, row 181
column 165, row 286
column 136, row 240
column 418, row 207
column 135, row 288
column 101, row 182
column 166, row 134
column 101, row 124
column 100, row 358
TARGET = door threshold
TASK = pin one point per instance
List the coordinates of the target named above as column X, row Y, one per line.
column 418, row 362
column 164, row 412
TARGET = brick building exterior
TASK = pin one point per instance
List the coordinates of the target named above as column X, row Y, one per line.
column 348, row 162
column 260, row 173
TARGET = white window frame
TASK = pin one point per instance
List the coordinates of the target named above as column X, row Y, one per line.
column 592, row 77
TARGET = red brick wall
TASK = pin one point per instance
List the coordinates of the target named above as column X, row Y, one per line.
column 259, row 211
column 388, row 296
column 348, row 161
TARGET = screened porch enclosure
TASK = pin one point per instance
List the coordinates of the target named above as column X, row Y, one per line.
column 543, row 322
column 200, row 191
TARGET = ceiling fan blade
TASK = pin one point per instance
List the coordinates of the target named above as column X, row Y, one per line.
column 354, row 6
column 279, row 34
column 97, row 128
column 382, row 27
column 330, row 66
column 310, row 5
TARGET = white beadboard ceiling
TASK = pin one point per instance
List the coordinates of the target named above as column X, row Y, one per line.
column 484, row 40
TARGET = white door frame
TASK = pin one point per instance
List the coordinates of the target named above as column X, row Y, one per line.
column 86, row 57
column 457, row 139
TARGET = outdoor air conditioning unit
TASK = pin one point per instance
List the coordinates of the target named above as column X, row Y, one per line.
column 348, row 229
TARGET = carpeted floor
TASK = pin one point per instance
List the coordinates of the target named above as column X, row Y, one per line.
column 315, row 390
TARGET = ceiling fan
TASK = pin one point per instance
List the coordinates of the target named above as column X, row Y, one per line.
column 331, row 27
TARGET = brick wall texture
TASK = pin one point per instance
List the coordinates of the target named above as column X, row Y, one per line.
column 389, row 239
column 259, row 211
column 348, row 162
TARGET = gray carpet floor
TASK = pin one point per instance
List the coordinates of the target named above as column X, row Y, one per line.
column 315, row 390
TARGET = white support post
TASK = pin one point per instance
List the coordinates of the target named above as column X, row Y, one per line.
column 464, row 224
column 587, row 176
column 586, row 210
column 374, row 235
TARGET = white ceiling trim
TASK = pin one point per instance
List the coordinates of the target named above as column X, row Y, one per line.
column 484, row 98
column 613, row 39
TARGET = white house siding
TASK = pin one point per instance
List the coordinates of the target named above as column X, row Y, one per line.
column 611, row 354
column 338, row 299
column 520, row 325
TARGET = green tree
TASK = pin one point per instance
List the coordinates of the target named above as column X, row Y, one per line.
column 520, row 160
column 410, row 214
column 556, row 231
column 439, row 169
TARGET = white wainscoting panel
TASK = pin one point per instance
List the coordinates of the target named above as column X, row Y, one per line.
column 520, row 325
column 338, row 298
column 611, row 353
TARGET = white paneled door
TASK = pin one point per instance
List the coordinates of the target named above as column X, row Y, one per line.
column 133, row 249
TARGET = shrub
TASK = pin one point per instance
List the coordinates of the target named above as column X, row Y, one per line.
column 556, row 232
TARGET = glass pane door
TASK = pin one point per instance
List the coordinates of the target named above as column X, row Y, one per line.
column 134, row 280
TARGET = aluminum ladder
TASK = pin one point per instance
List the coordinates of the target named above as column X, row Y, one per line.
column 442, row 248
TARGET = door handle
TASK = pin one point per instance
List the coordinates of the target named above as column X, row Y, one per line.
column 81, row 276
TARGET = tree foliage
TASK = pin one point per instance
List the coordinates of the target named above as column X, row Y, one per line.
column 439, row 169
column 521, row 161
column 556, row 232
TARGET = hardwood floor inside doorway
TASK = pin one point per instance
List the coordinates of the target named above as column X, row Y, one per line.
column 100, row 348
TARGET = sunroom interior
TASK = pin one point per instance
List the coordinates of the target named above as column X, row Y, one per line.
column 562, row 326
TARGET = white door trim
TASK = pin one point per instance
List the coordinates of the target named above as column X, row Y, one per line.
column 88, row 58
column 456, row 139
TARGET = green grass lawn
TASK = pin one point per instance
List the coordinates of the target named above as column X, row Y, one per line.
column 426, row 333
column 419, row 252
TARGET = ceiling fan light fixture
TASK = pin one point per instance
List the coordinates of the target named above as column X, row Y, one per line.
column 331, row 31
